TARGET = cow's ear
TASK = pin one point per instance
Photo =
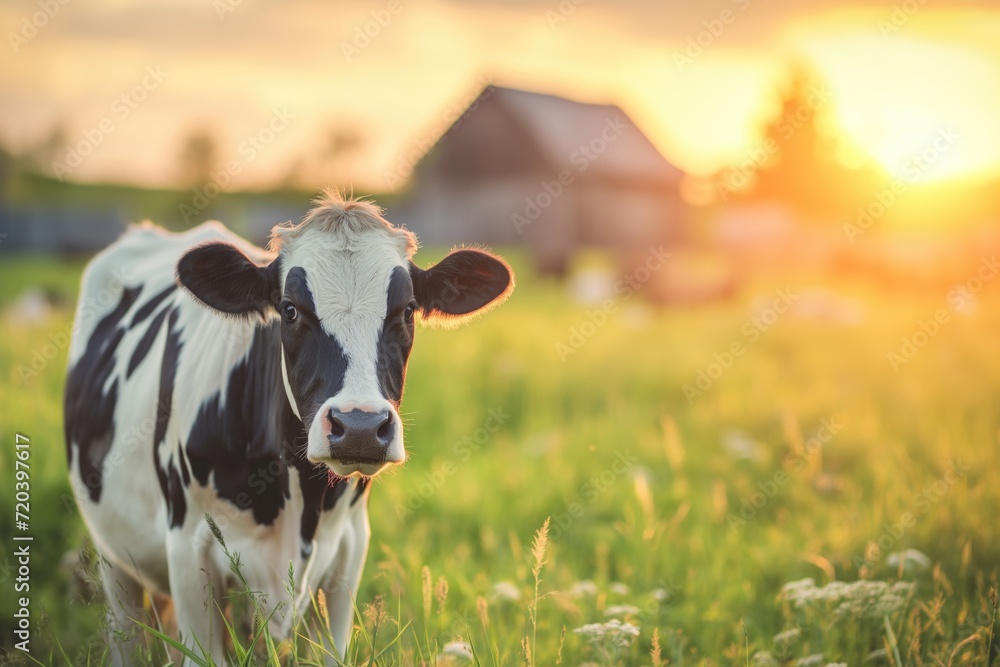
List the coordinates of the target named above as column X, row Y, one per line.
column 222, row 277
column 462, row 285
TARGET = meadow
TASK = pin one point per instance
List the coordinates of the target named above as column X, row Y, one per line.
column 697, row 466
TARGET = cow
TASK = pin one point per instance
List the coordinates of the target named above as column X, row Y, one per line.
column 208, row 376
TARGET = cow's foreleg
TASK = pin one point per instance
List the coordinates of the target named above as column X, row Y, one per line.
column 342, row 583
column 124, row 599
column 197, row 592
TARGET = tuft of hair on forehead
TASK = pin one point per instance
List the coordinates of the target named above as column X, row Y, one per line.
column 346, row 218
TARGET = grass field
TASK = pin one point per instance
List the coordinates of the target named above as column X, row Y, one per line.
column 805, row 455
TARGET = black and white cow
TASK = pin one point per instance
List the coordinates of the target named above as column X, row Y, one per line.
column 207, row 375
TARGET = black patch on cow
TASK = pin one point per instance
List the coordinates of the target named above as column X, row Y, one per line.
column 360, row 490
column 146, row 342
column 165, row 397
column 148, row 308
column 315, row 361
column 185, row 471
column 176, row 496
column 88, row 404
column 241, row 438
column 319, row 496
column 168, row 374
column 396, row 338
column 251, row 438
column 334, row 492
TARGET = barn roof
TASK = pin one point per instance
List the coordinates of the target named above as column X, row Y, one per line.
column 559, row 127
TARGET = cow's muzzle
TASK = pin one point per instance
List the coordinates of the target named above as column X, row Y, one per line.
column 360, row 438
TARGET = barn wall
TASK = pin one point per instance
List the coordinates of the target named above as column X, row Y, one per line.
column 447, row 212
column 620, row 216
column 443, row 212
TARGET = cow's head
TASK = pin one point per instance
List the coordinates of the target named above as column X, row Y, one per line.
column 346, row 293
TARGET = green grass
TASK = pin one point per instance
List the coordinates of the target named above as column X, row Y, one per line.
column 663, row 521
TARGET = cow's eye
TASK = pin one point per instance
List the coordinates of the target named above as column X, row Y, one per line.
column 408, row 313
column 289, row 312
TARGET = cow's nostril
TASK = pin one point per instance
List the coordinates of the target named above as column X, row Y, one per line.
column 337, row 429
column 385, row 430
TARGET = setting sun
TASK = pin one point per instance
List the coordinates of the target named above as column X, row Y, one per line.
column 925, row 109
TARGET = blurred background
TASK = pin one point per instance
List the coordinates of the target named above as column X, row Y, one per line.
column 755, row 243
column 747, row 134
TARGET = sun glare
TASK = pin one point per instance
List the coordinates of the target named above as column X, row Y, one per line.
column 924, row 109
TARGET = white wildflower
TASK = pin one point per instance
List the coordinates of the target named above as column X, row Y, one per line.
column 456, row 652
column 506, row 591
column 813, row 660
column 618, row 588
column 621, row 610
column 741, row 445
column 911, row 559
column 787, row 637
column 583, row 588
column 792, row 587
column 763, row 659
column 784, row 642
column 662, row 595
column 590, row 631
column 860, row 599
column 614, row 633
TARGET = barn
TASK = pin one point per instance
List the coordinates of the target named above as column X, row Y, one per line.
column 548, row 173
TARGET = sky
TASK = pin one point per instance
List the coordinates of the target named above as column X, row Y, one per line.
column 908, row 80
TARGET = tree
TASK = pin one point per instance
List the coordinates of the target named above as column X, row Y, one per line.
column 197, row 159
column 798, row 160
column 330, row 163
